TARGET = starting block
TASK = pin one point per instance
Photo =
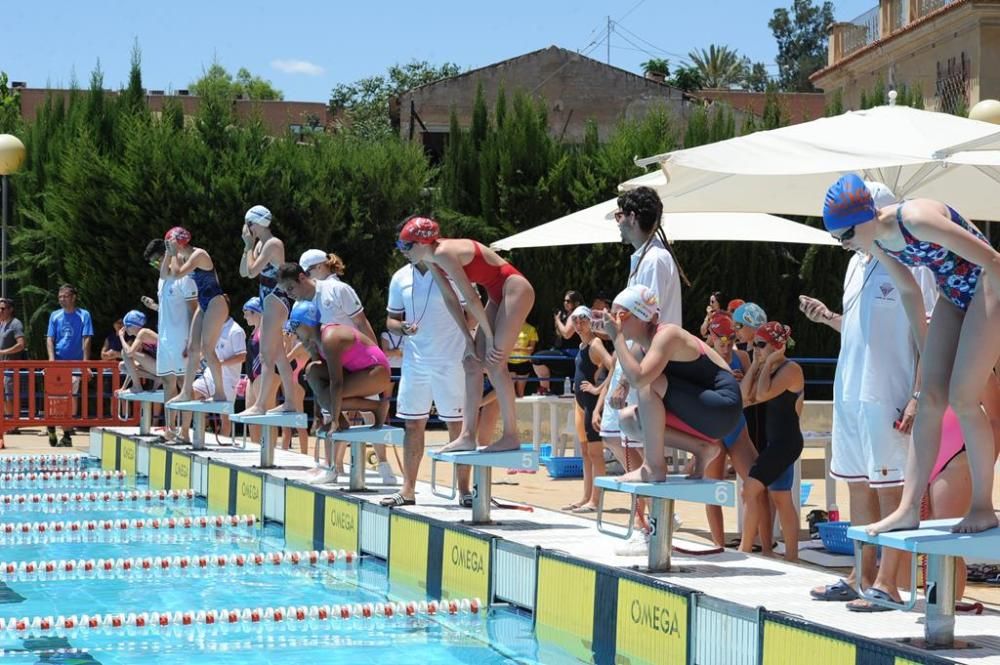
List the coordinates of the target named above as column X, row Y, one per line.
column 661, row 513
column 267, row 422
column 358, row 436
column 935, row 539
column 146, row 399
column 482, row 473
column 199, row 409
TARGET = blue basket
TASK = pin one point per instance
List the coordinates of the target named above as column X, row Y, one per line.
column 544, row 450
column 834, row 536
column 563, row 467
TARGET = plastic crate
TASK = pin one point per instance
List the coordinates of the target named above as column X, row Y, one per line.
column 544, row 450
column 563, row 467
column 834, row 536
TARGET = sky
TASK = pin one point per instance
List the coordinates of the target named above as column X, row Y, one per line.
column 307, row 49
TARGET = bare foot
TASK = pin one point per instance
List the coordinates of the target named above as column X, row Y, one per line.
column 251, row 411
column 901, row 519
column 644, row 474
column 503, row 444
column 701, row 462
column 181, row 397
column 976, row 521
column 286, row 407
column 461, row 444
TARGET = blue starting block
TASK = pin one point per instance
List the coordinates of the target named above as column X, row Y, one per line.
column 145, row 399
column 661, row 513
column 935, row 539
column 358, row 436
column 482, row 473
column 267, row 422
column 199, row 409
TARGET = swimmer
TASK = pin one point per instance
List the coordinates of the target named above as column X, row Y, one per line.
column 138, row 355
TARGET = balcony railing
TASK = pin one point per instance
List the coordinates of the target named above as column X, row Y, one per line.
column 864, row 31
column 925, row 7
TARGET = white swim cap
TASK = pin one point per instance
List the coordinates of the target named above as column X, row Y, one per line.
column 640, row 301
column 258, row 215
column 581, row 312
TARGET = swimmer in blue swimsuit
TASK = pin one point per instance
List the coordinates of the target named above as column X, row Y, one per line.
column 262, row 254
column 212, row 312
column 959, row 345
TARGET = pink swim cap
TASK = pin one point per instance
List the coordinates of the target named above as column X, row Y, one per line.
column 179, row 234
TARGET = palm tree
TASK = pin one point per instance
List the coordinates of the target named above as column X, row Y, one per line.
column 658, row 66
column 719, row 66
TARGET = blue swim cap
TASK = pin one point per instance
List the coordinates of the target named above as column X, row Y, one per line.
column 750, row 315
column 848, row 203
column 253, row 305
column 303, row 312
column 134, row 318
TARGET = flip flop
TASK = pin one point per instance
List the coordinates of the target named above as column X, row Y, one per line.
column 584, row 509
column 840, row 591
column 867, row 602
column 395, row 500
column 571, row 507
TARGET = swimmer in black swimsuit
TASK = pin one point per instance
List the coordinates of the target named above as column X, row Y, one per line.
column 778, row 383
column 687, row 393
column 262, row 254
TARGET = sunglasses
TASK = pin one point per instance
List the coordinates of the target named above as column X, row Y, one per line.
column 404, row 246
column 760, row 345
column 846, row 235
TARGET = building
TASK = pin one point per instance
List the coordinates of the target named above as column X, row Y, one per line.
column 278, row 117
column 796, row 107
column 576, row 88
column 947, row 49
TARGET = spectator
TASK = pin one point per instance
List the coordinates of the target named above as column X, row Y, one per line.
column 520, row 363
column 68, row 338
column 112, row 347
column 11, row 348
column 565, row 347
column 715, row 301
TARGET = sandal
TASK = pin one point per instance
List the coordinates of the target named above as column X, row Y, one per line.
column 866, row 603
column 584, row 509
column 465, row 501
column 395, row 500
column 840, row 591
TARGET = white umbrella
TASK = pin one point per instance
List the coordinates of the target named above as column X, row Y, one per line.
column 788, row 170
column 597, row 224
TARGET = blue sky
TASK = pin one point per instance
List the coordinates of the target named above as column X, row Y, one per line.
column 305, row 49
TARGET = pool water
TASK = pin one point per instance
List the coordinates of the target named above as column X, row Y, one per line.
column 487, row 638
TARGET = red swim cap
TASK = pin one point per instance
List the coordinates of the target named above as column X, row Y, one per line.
column 721, row 325
column 734, row 303
column 179, row 234
column 421, row 230
column 774, row 333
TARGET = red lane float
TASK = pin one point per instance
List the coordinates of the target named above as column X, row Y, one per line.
column 94, row 497
column 268, row 615
column 154, row 523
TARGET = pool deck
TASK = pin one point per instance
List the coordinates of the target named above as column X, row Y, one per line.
column 751, row 580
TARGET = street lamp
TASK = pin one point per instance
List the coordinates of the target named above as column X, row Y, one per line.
column 11, row 158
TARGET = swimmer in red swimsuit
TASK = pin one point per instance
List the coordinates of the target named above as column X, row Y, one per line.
column 463, row 262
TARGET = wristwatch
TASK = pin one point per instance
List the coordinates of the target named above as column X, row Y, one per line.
column 916, row 394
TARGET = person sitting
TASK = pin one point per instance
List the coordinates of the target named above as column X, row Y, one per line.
column 138, row 349
column 520, row 357
column 558, row 360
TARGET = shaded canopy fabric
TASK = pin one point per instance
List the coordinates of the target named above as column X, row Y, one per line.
column 788, row 170
column 596, row 224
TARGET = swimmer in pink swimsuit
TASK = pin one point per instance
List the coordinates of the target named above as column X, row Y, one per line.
column 347, row 367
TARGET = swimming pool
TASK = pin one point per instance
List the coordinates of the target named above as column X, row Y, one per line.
column 202, row 582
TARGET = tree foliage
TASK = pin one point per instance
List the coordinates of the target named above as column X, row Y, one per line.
column 216, row 81
column 366, row 101
column 802, row 34
column 687, row 79
column 659, row 66
column 719, row 66
column 10, row 106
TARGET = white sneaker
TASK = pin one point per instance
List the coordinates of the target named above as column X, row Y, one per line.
column 384, row 470
column 324, row 476
column 637, row 545
column 677, row 522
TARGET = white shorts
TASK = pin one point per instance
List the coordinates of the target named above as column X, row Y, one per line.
column 610, row 427
column 866, row 446
column 170, row 359
column 205, row 385
column 423, row 383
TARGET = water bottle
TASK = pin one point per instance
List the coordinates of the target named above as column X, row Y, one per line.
column 567, row 387
column 833, row 513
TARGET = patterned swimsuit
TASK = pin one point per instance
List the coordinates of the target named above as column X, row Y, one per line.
column 956, row 278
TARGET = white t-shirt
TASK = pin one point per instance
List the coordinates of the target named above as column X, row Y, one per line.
column 658, row 272
column 417, row 297
column 877, row 354
column 337, row 302
column 393, row 343
column 232, row 342
column 173, row 296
